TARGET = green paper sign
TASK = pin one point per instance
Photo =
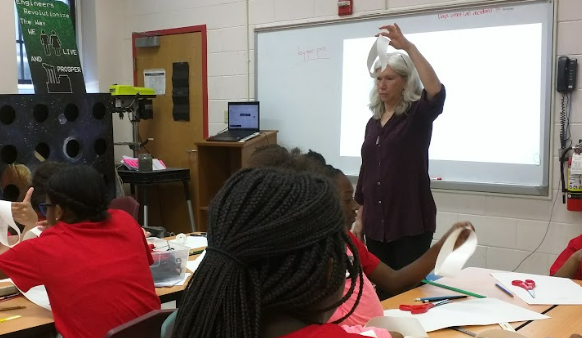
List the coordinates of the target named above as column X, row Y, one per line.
column 51, row 46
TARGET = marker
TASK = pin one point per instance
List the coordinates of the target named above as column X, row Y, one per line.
column 9, row 318
column 504, row 290
column 192, row 253
column 436, row 178
column 202, row 234
column 436, row 299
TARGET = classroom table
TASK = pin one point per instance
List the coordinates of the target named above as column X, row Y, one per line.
column 480, row 281
column 38, row 322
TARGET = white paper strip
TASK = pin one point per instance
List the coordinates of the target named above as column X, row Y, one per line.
column 379, row 50
column 450, row 261
column 6, row 222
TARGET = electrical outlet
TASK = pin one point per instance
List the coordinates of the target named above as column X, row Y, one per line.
column 225, row 118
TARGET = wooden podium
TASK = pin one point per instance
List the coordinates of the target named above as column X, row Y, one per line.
column 217, row 161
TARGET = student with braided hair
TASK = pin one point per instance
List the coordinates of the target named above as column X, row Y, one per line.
column 94, row 262
column 376, row 272
column 276, row 262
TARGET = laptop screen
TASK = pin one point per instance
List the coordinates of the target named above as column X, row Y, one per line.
column 243, row 116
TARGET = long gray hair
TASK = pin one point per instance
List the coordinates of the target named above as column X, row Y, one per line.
column 403, row 66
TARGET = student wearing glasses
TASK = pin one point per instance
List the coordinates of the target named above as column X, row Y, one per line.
column 94, row 262
column 397, row 213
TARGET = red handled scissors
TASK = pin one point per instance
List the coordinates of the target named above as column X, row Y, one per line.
column 528, row 284
column 422, row 308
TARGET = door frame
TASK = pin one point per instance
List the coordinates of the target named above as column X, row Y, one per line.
column 182, row 30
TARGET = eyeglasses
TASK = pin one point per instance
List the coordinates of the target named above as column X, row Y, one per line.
column 401, row 56
column 43, row 207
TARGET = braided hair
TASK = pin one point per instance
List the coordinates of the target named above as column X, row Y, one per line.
column 81, row 190
column 272, row 237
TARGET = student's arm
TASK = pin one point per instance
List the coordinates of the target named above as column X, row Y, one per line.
column 428, row 76
column 397, row 281
column 572, row 265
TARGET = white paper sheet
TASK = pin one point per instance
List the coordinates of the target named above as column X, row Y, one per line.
column 450, row 261
column 155, row 79
column 193, row 265
column 193, row 242
column 482, row 311
column 38, row 296
column 548, row 290
column 408, row 327
column 173, row 283
column 6, row 222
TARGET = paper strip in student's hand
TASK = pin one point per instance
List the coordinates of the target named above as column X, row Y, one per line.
column 408, row 327
column 379, row 50
column 450, row 261
column 6, row 222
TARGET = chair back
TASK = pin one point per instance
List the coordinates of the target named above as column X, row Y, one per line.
column 146, row 326
column 127, row 204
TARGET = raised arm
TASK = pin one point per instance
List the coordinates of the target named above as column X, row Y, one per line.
column 427, row 75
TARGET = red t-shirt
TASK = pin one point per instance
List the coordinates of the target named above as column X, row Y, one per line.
column 368, row 260
column 574, row 245
column 322, row 331
column 96, row 274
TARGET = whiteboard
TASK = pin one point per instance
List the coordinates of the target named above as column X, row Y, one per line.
column 301, row 81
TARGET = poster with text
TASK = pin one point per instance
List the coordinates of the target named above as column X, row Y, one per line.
column 51, row 46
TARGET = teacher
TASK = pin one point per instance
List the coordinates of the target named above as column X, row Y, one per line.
column 397, row 213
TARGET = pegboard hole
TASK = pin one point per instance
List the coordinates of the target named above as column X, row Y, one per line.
column 7, row 115
column 72, row 148
column 99, row 111
column 100, row 147
column 42, row 151
column 11, row 193
column 8, row 154
column 105, row 179
column 71, row 112
column 40, row 113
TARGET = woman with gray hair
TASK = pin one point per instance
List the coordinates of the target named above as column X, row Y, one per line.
column 397, row 213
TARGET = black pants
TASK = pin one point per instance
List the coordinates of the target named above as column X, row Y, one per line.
column 399, row 253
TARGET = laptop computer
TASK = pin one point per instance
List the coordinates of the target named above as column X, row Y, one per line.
column 243, row 121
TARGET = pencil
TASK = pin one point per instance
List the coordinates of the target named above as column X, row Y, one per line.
column 12, row 308
column 453, row 289
column 9, row 318
column 456, row 328
column 436, row 299
column 504, row 290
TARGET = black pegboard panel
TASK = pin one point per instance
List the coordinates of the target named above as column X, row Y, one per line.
column 70, row 128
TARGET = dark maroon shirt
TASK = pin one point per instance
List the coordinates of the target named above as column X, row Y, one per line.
column 394, row 186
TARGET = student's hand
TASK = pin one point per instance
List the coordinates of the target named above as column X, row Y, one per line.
column 23, row 213
column 397, row 39
column 358, row 230
column 146, row 233
column 467, row 226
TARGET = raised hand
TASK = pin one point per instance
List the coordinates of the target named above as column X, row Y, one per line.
column 23, row 213
column 397, row 39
